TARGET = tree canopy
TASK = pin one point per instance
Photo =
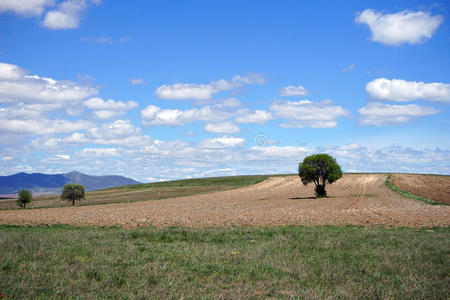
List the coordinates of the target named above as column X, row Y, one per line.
column 73, row 192
column 25, row 196
column 319, row 169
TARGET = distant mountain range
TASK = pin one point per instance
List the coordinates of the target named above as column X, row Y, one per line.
column 53, row 183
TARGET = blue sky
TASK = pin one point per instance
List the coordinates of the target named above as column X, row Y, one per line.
column 158, row 90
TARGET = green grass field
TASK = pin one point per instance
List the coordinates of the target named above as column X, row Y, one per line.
column 224, row 263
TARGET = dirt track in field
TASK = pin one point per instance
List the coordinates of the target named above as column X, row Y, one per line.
column 357, row 199
column 434, row 187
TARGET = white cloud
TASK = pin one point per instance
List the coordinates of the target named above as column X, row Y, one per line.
column 97, row 152
column 120, row 132
column 11, row 72
column 181, row 91
column 305, row 113
column 401, row 27
column 67, row 15
column 222, row 142
column 257, row 116
column 16, row 86
column 279, row 151
column 154, row 115
column 25, row 7
column 251, row 78
column 109, row 108
column 380, row 114
column 76, row 138
column 224, row 128
column 293, row 91
column 137, row 81
column 194, row 91
column 402, row 91
column 231, row 103
column 41, row 126
column 116, row 129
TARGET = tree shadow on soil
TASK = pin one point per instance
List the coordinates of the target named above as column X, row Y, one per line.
column 312, row 197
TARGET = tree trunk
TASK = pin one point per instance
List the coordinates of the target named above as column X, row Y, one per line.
column 320, row 191
column 73, row 202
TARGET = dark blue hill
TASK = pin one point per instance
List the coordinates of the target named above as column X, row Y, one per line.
column 53, row 183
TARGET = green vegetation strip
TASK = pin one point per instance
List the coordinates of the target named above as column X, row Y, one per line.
column 231, row 181
column 407, row 194
column 224, row 263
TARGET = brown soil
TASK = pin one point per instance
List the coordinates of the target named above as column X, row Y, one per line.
column 357, row 199
column 434, row 187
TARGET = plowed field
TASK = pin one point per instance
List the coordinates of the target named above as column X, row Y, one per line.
column 433, row 187
column 357, row 199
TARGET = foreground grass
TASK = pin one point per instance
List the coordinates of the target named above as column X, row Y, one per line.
column 146, row 191
column 407, row 194
column 224, row 263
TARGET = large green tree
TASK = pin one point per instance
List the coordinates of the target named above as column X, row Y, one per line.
column 320, row 169
column 25, row 196
column 73, row 192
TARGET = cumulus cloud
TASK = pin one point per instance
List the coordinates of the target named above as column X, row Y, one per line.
column 76, row 138
column 222, row 142
column 97, row 152
column 194, row 91
column 154, row 115
column 116, row 129
column 305, row 113
column 226, row 111
column 67, row 15
column 291, row 90
column 11, row 72
column 257, row 116
column 107, row 109
column 402, row 91
column 17, row 86
column 380, row 114
column 224, row 128
column 41, row 126
column 120, row 132
column 401, row 27
column 25, row 7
